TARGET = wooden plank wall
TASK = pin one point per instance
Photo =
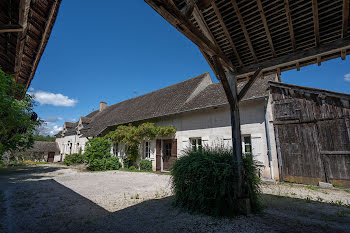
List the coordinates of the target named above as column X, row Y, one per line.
column 313, row 136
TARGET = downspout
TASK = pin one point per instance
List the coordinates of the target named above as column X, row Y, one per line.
column 267, row 131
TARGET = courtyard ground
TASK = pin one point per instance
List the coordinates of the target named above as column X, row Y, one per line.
column 54, row 198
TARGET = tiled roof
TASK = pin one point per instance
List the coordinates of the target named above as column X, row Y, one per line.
column 192, row 94
column 44, row 147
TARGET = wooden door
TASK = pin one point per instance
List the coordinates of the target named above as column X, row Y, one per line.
column 158, row 155
column 169, row 153
column 51, row 157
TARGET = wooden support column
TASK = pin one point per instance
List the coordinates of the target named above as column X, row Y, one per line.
column 229, row 84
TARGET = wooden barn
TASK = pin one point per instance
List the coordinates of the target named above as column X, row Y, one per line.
column 312, row 130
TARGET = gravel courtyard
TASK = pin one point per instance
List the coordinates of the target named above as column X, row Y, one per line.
column 54, row 198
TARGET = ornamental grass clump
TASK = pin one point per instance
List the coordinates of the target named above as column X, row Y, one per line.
column 203, row 182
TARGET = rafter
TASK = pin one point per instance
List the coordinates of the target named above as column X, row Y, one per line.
column 267, row 31
column 246, row 35
column 345, row 18
column 182, row 24
column 290, row 24
column 316, row 22
column 10, row 28
column 24, row 6
column 248, row 85
column 227, row 34
column 42, row 42
column 299, row 56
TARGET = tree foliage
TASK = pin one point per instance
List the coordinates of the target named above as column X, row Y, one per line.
column 98, row 148
column 132, row 136
column 41, row 138
column 17, row 118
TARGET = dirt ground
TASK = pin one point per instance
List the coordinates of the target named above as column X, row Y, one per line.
column 54, row 198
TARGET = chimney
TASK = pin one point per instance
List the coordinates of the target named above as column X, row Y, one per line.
column 103, row 105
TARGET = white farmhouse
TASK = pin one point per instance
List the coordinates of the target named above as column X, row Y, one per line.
column 198, row 110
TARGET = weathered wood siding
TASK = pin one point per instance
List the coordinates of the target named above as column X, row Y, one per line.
column 312, row 135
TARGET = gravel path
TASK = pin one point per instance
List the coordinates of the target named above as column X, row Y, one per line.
column 54, row 198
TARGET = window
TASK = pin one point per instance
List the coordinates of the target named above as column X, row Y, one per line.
column 147, row 149
column 247, row 145
column 115, row 149
column 168, row 146
column 196, row 143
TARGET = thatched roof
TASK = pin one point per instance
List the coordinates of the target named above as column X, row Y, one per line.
column 44, row 147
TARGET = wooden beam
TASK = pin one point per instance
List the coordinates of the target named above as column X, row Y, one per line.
column 229, row 84
column 174, row 16
column 343, row 54
column 298, row 56
column 227, row 34
column 248, row 85
column 316, row 22
column 266, row 27
column 246, row 35
column 298, row 66
column 345, row 18
column 24, row 6
column 42, row 42
column 10, row 28
column 319, row 60
column 290, row 24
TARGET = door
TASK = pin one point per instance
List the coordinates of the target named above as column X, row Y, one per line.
column 51, row 157
column 158, row 155
column 169, row 153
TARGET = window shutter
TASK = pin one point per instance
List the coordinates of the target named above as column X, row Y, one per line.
column 174, row 148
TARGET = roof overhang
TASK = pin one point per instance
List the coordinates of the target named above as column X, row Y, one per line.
column 25, row 28
column 272, row 35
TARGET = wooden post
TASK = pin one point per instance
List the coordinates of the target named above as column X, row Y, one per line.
column 236, row 133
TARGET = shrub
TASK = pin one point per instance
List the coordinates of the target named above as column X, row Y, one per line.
column 145, row 165
column 2, row 163
column 74, row 159
column 132, row 168
column 104, row 164
column 113, row 164
column 98, row 148
column 203, row 182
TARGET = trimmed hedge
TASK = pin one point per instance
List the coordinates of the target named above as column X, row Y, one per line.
column 145, row 165
column 74, row 159
column 203, row 182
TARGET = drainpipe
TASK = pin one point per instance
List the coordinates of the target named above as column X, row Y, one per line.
column 267, row 131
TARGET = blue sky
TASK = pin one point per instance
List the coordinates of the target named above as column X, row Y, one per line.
column 120, row 49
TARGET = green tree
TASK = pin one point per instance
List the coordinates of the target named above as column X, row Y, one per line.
column 41, row 138
column 98, row 148
column 17, row 118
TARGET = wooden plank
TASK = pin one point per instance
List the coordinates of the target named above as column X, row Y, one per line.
column 343, row 54
column 24, row 6
column 298, row 56
column 10, row 28
column 246, row 35
column 335, row 152
column 290, row 24
column 266, row 27
column 183, row 25
column 316, row 22
column 247, row 86
column 227, row 34
column 42, row 42
column 345, row 18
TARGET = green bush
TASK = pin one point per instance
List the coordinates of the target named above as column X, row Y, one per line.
column 145, row 165
column 2, row 163
column 203, row 182
column 104, row 164
column 132, row 168
column 98, row 148
column 74, row 159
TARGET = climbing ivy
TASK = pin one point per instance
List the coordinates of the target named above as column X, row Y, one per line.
column 132, row 136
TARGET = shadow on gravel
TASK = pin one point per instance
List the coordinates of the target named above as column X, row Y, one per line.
column 48, row 206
